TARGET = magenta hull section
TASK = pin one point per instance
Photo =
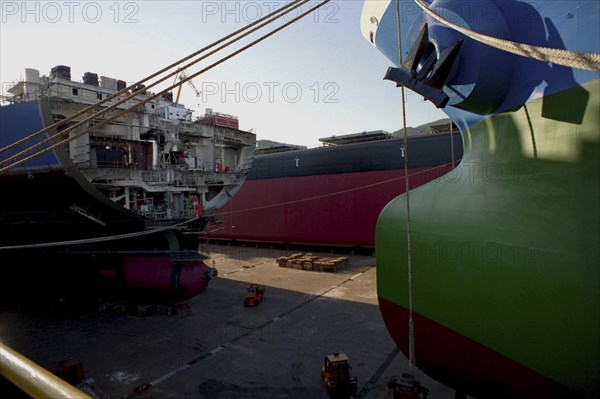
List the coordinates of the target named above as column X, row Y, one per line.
column 160, row 275
column 333, row 209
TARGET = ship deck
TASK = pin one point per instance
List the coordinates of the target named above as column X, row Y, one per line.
column 221, row 349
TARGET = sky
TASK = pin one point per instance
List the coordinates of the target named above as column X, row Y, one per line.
column 317, row 78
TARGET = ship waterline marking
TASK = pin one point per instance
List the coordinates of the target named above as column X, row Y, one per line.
column 251, row 11
column 270, row 92
column 53, row 12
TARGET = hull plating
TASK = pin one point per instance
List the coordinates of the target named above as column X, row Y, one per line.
column 333, row 196
column 507, row 254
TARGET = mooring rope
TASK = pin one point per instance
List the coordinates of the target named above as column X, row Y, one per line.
column 97, row 239
column 580, row 60
column 411, row 328
column 294, row 4
column 6, row 163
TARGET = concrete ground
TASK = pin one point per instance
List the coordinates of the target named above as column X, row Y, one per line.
column 222, row 349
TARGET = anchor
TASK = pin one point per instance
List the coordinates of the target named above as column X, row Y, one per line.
column 429, row 80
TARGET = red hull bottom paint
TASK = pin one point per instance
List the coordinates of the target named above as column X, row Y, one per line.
column 336, row 209
column 460, row 362
column 159, row 274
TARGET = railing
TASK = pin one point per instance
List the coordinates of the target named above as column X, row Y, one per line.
column 32, row 379
column 176, row 178
column 160, row 212
column 112, row 165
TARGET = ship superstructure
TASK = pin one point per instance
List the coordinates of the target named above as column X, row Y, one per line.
column 116, row 205
column 156, row 161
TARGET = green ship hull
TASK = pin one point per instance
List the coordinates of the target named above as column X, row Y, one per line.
column 505, row 256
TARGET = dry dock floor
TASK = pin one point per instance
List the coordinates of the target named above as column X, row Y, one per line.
column 222, row 349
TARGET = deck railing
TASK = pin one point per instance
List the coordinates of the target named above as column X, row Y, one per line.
column 33, row 379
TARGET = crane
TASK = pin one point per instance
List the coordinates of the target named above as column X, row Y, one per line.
column 183, row 75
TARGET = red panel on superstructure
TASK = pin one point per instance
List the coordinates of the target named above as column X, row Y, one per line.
column 340, row 209
column 222, row 120
column 226, row 121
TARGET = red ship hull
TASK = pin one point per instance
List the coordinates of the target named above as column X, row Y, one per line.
column 338, row 199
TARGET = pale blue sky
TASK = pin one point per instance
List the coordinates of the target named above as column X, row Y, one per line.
column 317, row 78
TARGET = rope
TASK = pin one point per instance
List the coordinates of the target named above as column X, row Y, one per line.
column 411, row 328
column 190, row 77
column 97, row 239
column 580, row 60
column 129, row 97
column 134, row 85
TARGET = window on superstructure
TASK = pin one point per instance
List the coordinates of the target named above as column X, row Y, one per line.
column 75, row 92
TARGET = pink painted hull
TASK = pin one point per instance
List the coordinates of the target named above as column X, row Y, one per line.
column 160, row 275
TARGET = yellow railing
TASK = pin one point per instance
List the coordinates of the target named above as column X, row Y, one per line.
column 32, row 379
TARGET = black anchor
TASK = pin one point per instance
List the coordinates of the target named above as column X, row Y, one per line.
column 429, row 80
